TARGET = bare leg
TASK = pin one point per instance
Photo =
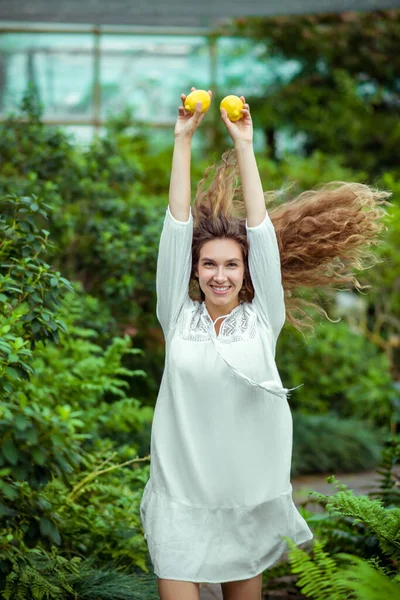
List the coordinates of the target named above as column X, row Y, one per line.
column 178, row 590
column 249, row 589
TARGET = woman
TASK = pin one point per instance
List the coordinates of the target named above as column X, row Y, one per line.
column 219, row 497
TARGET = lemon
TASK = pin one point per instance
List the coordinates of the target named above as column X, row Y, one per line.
column 197, row 96
column 233, row 106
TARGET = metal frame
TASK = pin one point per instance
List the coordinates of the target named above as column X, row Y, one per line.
column 98, row 30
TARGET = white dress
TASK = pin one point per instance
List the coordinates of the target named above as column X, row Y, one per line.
column 219, row 496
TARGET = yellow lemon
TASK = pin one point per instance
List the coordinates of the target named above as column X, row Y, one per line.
column 233, row 106
column 197, row 96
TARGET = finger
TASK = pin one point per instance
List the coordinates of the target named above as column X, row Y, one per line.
column 243, row 99
column 183, row 98
column 224, row 116
column 210, row 93
column 192, row 89
column 181, row 111
column 198, row 108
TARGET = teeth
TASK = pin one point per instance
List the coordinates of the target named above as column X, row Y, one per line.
column 220, row 289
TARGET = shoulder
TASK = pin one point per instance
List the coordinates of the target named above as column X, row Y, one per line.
column 191, row 310
column 192, row 322
column 258, row 315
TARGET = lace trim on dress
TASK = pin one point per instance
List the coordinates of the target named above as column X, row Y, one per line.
column 239, row 325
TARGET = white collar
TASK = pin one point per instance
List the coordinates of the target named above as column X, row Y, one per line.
column 206, row 314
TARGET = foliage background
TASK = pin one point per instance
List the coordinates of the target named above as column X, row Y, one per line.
column 81, row 351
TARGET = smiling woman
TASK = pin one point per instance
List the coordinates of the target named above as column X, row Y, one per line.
column 211, row 511
column 220, row 278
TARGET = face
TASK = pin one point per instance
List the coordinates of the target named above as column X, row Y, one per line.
column 221, row 266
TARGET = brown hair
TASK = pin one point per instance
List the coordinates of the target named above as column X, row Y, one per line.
column 324, row 235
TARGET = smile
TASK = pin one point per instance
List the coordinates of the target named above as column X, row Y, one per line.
column 220, row 291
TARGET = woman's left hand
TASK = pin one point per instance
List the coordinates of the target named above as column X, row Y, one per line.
column 242, row 130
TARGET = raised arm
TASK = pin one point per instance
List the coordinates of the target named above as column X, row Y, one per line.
column 174, row 260
column 264, row 259
column 179, row 186
column 241, row 133
column 253, row 195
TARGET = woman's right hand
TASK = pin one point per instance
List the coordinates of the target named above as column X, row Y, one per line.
column 187, row 123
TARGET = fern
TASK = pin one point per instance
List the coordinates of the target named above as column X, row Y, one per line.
column 319, row 575
column 389, row 484
column 37, row 575
column 366, row 581
column 109, row 584
column 322, row 578
column 385, row 523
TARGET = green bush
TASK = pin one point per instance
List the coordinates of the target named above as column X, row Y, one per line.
column 341, row 371
column 327, row 443
column 30, row 290
column 64, row 488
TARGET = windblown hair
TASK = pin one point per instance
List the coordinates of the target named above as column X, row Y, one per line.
column 324, row 235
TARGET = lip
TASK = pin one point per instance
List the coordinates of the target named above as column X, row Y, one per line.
column 220, row 293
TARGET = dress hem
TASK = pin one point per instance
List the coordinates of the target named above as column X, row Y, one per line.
column 268, row 565
column 218, row 545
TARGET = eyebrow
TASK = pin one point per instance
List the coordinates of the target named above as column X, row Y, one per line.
column 228, row 260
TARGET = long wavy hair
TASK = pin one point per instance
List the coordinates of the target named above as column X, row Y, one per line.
column 324, row 235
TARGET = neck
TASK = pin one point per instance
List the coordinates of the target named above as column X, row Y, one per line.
column 219, row 311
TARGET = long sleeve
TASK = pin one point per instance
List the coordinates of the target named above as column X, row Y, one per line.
column 174, row 264
column 265, row 272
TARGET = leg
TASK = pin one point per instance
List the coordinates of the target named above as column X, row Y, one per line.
column 249, row 589
column 169, row 589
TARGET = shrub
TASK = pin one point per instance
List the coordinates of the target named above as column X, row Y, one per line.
column 341, row 371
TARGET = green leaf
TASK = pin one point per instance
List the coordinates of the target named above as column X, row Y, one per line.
column 25, row 226
column 36, row 325
column 55, row 535
column 31, row 435
column 21, row 422
column 9, row 490
column 45, row 526
column 10, row 451
column 39, row 454
column 18, row 343
column 36, row 297
column 12, row 373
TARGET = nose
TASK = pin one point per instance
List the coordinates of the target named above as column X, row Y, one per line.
column 220, row 277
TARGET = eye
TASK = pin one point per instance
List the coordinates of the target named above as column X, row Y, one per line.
column 232, row 264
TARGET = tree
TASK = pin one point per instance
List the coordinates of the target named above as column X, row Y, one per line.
column 344, row 93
